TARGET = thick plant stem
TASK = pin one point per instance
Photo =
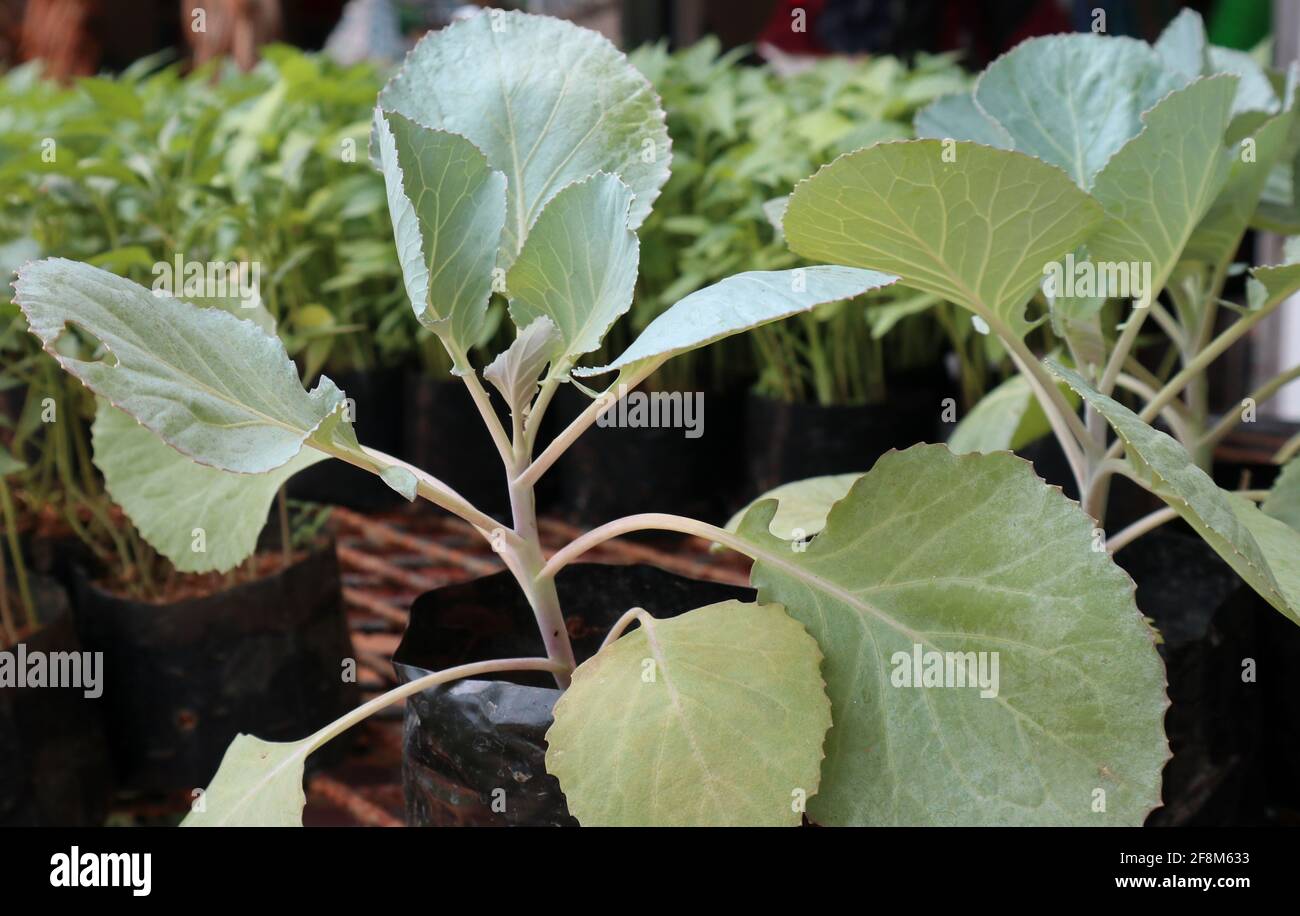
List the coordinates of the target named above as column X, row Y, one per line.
column 525, row 560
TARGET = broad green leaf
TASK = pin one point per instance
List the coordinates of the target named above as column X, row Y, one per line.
column 1220, row 230
column 259, row 784
column 1008, row 417
column 740, row 302
column 1170, row 473
column 712, row 718
column 448, row 208
column 1073, row 100
column 547, row 102
column 578, row 267
column 1280, row 544
column 976, row 231
column 1283, row 501
column 168, row 496
column 1158, row 186
column 957, row 117
column 516, row 370
column 932, row 552
column 215, row 388
column 802, row 505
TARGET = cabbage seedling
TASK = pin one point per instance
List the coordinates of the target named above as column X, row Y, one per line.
column 951, row 649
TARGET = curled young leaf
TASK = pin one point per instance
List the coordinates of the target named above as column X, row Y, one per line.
column 515, row 371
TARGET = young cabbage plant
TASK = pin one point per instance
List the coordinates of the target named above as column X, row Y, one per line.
column 1113, row 176
column 951, row 649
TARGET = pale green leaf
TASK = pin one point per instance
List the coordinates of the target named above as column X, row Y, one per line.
column 1183, row 46
column 578, row 266
column 1008, row 417
column 516, row 370
column 547, row 102
column 957, row 117
column 167, row 496
column 259, row 784
column 712, row 718
column 1073, row 100
column 741, row 302
column 448, row 208
column 1169, row 471
column 1158, row 186
column 1280, row 544
column 802, row 505
column 976, row 231
column 933, row 552
column 215, row 388
column 1219, row 233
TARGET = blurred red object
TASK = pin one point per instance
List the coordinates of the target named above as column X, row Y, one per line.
column 790, row 27
column 60, row 33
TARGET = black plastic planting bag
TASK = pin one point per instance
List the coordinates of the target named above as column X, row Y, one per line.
column 54, row 766
column 475, row 750
column 1204, row 615
column 182, row 680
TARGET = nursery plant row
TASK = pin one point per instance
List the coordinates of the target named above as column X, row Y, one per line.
column 933, row 635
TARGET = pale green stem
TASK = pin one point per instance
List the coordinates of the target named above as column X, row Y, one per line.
column 646, row 521
column 1212, row 351
column 433, row 679
column 1258, row 396
column 635, row 614
column 490, row 419
column 1173, row 413
column 1058, row 410
column 1288, row 451
column 621, row 385
column 1134, row 531
column 1123, row 347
